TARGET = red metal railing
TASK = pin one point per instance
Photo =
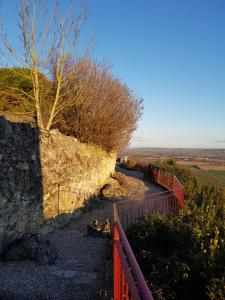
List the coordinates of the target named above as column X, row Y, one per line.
column 129, row 282
column 170, row 182
column 131, row 211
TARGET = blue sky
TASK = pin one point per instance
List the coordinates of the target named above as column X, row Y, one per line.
column 172, row 54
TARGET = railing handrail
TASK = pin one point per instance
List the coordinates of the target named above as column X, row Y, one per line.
column 153, row 195
column 134, row 200
column 169, row 177
column 166, row 173
column 160, row 194
column 127, row 272
column 144, row 291
column 178, row 181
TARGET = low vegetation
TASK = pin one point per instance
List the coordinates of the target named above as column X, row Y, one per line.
column 130, row 164
column 16, row 90
column 183, row 256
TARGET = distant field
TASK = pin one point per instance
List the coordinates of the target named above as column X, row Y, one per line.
column 203, row 176
column 203, row 165
column 208, row 165
column 209, row 176
column 219, row 175
column 213, row 168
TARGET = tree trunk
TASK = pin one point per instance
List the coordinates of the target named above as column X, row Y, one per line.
column 52, row 114
column 39, row 117
column 37, row 97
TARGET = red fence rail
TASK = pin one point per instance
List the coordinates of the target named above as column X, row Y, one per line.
column 170, row 182
column 129, row 282
column 131, row 211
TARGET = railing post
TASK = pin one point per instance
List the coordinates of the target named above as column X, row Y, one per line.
column 182, row 199
column 58, row 200
column 116, row 264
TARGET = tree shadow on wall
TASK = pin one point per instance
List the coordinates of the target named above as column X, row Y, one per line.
column 21, row 192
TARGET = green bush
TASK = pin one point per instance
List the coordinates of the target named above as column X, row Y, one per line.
column 177, row 262
column 15, row 86
column 130, row 164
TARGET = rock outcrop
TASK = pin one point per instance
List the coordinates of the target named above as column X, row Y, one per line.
column 32, row 247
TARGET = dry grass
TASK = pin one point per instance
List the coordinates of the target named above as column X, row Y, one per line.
column 210, row 167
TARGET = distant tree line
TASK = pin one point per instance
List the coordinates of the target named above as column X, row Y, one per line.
column 61, row 89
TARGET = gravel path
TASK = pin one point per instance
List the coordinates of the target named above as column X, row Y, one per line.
column 136, row 183
column 80, row 271
column 83, row 270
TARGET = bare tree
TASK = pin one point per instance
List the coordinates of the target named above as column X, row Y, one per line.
column 109, row 110
column 49, row 38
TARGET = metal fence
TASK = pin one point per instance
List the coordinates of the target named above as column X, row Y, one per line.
column 71, row 198
column 130, row 212
column 129, row 282
column 170, row 182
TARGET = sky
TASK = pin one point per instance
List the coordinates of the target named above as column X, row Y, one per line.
column 171, row 53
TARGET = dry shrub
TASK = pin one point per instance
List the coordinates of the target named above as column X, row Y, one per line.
column 107, row 111
column 121, row 179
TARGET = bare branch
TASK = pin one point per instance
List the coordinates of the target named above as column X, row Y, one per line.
column 48, row 43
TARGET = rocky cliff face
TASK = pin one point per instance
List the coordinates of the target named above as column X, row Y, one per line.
column 42, row 175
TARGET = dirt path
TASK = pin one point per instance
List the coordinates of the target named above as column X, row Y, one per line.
column 139, row 187
column 83, row 270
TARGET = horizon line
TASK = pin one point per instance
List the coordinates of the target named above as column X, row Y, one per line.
column 192, row 148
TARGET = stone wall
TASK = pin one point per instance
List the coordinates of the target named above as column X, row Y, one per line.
column 42, row 175
column 72, row 172
column 20, row 180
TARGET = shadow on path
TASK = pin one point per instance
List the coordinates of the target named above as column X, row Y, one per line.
column 83, row 269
